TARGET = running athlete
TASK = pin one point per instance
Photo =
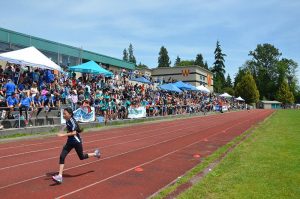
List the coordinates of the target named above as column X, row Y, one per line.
column 74, row 141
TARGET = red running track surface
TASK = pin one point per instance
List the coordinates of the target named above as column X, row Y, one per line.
column 136, row 161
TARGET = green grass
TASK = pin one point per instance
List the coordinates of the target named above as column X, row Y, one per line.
column 184, row 179
column 200, row 167
column 266, row 165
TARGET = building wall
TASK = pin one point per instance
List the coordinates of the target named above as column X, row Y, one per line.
column 61, row 54
column 145, row 72
column 267, row 106
column 194, row 75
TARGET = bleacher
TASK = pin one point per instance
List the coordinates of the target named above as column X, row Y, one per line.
column 53, row 118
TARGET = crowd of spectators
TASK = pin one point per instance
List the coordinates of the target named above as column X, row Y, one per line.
column 24, row 88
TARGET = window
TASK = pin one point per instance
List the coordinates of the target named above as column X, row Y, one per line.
column 4, row 47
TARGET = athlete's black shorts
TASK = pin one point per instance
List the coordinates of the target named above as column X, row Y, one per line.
column 68, row 147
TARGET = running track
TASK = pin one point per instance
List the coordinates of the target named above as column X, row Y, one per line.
column 164, row 151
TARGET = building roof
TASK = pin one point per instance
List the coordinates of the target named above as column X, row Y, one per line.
column 192, row 66
column 270, row 102
column 24, row 40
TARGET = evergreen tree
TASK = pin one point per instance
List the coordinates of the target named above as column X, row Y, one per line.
column 199, row 60
column 142, row 66
column 284, row 95
column 206, row 65
column 228, row 82
column 229, row 90
column 177, row 61
column 238, row 77
column 163, row 59
column 131, row 57
column 219, row 69
column 125, row 55
column 246, row 88
column 186, row 63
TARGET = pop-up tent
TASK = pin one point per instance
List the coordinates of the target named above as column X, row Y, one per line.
column 182, row 85
column 170, row 87
column 203, row 89
column 225, row 95
column 30, row 57
column 191, row 87
column 239, row 99
column 91, row 67
column 142, row 80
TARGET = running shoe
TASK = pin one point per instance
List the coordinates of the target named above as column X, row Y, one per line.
column 57, row 178
column 97, row 153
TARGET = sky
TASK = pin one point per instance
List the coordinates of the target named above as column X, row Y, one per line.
column 184, row 27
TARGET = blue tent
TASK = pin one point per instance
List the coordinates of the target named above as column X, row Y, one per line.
column 91, row 67
column 182, row 85
column 170, row 87
column 142, row 80
column 192, row 88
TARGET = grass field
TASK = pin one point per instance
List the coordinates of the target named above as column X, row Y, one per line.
column 266, row 165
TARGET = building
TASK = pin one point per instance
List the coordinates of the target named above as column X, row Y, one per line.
column 194, row 75
column 145, row 71
column 61, row 54
column 269, row 105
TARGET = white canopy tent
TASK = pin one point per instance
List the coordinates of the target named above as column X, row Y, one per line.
column 225, row 95
column 203, row 89
column 239, row 99
column 30, row 57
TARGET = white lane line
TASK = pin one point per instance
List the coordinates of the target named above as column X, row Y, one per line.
column 52, row 148
column 104, row 132
column 81, row 165
column 140, row 165
column 36, row 161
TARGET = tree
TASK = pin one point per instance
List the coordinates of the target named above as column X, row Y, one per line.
column 238, row 77
column 186, row 63
column 229, row 90
column 228, row 82
column 263, row 67
column 297, row 95
column 131, row 57
column 219, row 69
column 199, row 60
column 287, row 70
column 206, row 65
column 142, row 66
column 163, row 59
column 247, row 89
column 284, row 95
column 125, row 55
column 269, row 70
column 177, row 61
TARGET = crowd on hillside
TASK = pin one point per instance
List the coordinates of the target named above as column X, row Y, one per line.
column 25, row 89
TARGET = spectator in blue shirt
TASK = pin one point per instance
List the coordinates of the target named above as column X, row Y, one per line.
column 47, row 103
column 11, row 102
column 35, row 76
column 25, row 104
column 9, row 88
column 37, row 103
column 21, row 87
